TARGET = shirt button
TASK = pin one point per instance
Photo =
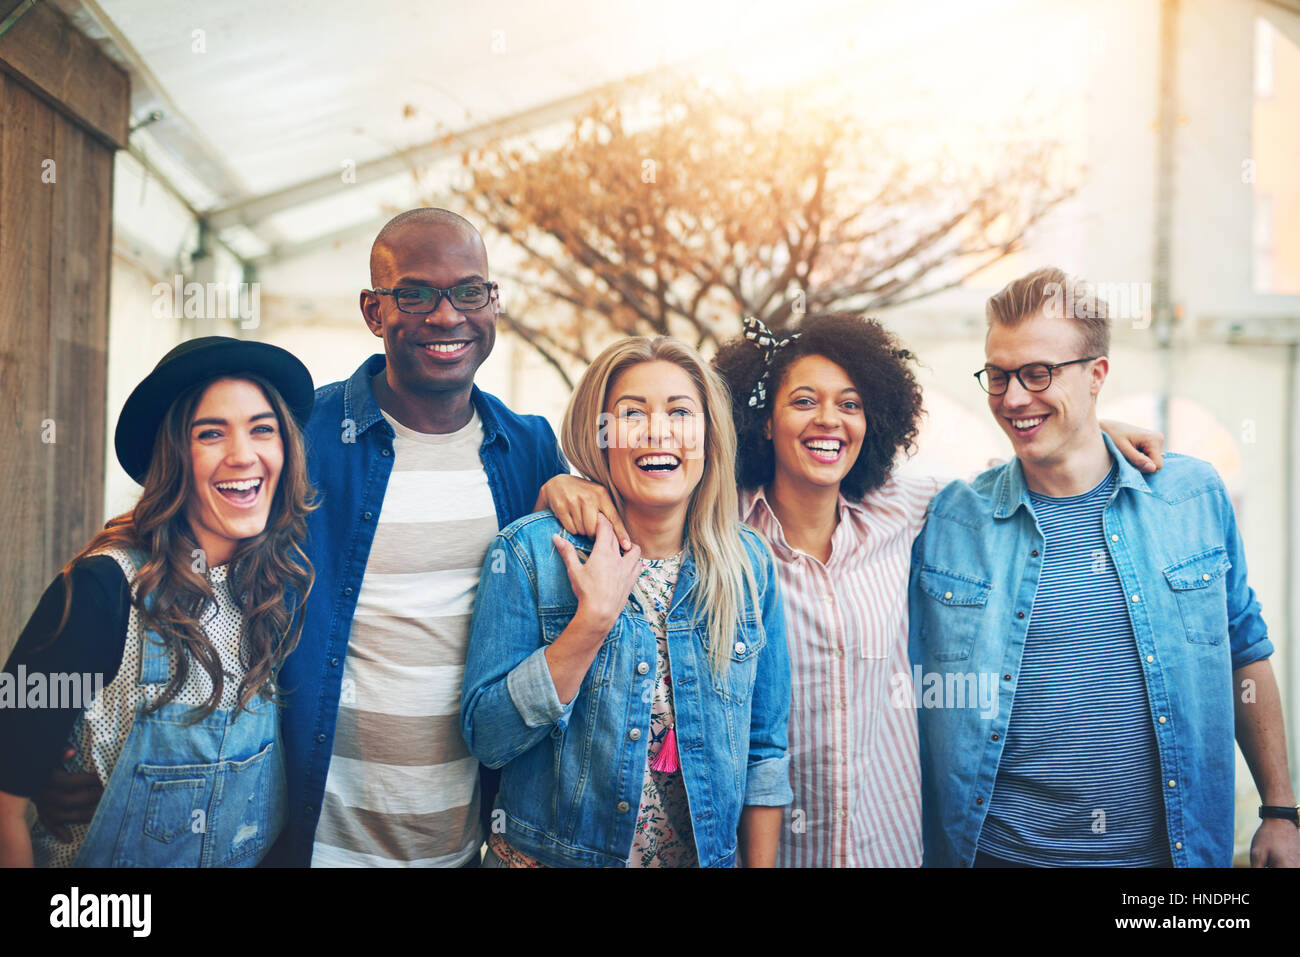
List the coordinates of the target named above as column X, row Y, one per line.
column 947, row 594
column 320, row 738
column 1020, row 614
column 1161, row 719
column 347, row 589
column 1006, row 677
column 839, row 652
column 740, row 647
column 1114, row 538
column 385, row 452
column 1205, row 578
column 1137, row 598
column 995, row 736
column 1034, row 553
column 634, row 734
column 309, row 809
column 1171, row 783
column 642, row 668
column 979, row 800
column 1178, row 845
column 1150, row 658
column 334, row 662
column 367, row 515
column 622, row 807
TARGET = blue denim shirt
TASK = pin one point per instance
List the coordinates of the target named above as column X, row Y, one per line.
column 571, row 784
column 975, row 567
column 349, row 460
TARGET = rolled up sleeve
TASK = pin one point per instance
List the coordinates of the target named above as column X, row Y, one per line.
column 767, row 777
column 532, row 689
column 1247, row 631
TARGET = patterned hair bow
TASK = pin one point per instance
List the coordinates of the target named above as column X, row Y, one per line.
column 763, row 337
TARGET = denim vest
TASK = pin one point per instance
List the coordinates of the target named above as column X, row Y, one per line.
column 210, row 794
column 975, row 571
column 571, row 784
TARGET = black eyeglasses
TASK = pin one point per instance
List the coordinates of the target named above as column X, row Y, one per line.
column 1033, row 376
column 422, row 300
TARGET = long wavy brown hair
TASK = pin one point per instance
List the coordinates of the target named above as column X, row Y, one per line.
column 269, row 578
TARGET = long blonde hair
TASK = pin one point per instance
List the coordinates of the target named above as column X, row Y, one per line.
column 712, row 530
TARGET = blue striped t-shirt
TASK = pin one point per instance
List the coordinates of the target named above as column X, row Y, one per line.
column 1078, row 783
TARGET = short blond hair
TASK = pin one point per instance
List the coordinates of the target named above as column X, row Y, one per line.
column 1051, row 291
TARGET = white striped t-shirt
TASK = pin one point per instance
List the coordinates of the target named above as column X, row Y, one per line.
column 402, row 789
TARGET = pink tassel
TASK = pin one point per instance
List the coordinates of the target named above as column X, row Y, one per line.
column 666, row 760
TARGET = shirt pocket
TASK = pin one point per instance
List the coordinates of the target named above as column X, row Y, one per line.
column 554, row 621
column 954, row 614
column 1200, row 588
column 736, row 682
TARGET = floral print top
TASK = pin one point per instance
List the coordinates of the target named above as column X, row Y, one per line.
column 663, row 836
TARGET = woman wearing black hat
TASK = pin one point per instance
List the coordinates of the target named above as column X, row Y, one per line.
column 178, row 614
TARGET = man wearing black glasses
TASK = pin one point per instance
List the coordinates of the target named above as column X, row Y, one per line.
column 418, row 470
column 1111, row 611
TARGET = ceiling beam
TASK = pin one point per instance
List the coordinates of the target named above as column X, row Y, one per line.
column 251, row 211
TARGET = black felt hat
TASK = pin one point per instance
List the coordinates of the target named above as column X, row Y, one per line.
column 197, row 361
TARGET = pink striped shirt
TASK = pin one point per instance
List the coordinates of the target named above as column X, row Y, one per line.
column 853, row 756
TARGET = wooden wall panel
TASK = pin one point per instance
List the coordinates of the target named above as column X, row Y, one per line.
column 55, row 255
column 67, row 68
column 26, row 464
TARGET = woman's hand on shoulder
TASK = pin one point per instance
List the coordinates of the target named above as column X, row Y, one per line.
column 578, row 504
column 603, row 582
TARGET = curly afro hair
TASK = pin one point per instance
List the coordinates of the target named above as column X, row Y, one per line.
column 875, row 363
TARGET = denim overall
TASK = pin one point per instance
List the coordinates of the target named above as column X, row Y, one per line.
column 210, row 794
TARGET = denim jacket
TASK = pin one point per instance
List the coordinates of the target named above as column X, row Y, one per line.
column 571, row 784
column 975, row 568
column 349, row 459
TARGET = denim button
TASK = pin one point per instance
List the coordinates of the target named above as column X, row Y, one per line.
column 740, row 647
column 623, row 807
column 347, row 589
column 385, row 452
column 634, row 734
column 1020, row 614
column 334, row 662
column 367, row 515
column 320, row 738
column 642, row 668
